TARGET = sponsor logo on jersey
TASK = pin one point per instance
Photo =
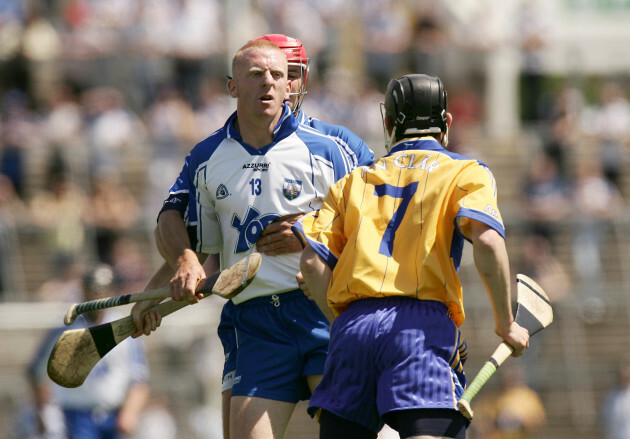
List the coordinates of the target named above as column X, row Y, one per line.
column 250, row 227
column 222, row 192
column 260, row 167
column 291, row 188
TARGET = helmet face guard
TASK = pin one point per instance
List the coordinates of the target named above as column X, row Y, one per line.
column 296, row 56
column 416, row 104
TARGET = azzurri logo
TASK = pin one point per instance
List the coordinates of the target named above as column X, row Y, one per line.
column 250, row 227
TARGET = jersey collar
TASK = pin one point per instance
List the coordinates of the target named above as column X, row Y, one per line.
column 284, row 128
column 425, row 143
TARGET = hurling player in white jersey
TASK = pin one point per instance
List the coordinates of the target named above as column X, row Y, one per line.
column 173, row 239
column 261, row 166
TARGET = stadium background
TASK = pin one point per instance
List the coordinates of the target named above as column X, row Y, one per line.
column 118, row 92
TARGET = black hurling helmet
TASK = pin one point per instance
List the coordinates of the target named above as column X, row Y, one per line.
column 416, row 104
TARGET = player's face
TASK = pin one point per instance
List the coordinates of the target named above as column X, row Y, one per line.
column 296, row 76
column 260, row 82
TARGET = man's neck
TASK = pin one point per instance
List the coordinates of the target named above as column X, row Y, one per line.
column 256, row 132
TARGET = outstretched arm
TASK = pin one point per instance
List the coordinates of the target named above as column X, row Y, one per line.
column 491, row 260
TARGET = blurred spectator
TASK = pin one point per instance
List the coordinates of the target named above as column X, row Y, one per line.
column 560, row 128
column 546, row 201
column 387, row 33
column 13, row 213
column 57, row 210
column 615, row 422
column 197, row 44
column 173, row 128
column 429, row 42
column 110, row 210
column 113, row 130
column 63, row 130
column 157, row 420
column 13, row 68
column 18, row 130
column 130, row 265
column 610, row 121
column 597, row 203
column 108, row 404
column 515, row 411
column 41, row 48
column 534, row 27
column 541, row 264
column 303, row 19
column 170, row 121
column 64, row 285
column 215, row 106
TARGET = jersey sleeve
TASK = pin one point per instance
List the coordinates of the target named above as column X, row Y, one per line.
column 477, row 200
column 179, row 194
column 357, row 151
column 365, row 156
column 323, row 229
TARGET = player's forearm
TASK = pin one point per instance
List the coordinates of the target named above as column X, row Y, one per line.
column 129, row 414
column 317, row 274
column 171, row 237
column 492, row 263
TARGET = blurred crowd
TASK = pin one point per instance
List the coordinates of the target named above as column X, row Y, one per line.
column 100, row 101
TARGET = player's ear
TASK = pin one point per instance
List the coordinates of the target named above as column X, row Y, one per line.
column 288, row 90
column 231, row 87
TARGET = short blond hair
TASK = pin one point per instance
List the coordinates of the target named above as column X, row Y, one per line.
column 253, row 45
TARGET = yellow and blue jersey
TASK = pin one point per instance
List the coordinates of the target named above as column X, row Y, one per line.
column 397, row 228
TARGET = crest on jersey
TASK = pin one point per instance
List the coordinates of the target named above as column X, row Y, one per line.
column 291, row 188
column 222, row 192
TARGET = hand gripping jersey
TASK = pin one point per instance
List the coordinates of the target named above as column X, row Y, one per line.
column 241, row 189
column 397, row 228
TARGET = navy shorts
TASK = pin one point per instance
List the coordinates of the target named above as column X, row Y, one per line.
column 227, row 335
column 390, row 354
column 282, row 339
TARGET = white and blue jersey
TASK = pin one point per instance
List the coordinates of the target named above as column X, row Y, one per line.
column 355, row 152
column 352, row 146
column 241, row 189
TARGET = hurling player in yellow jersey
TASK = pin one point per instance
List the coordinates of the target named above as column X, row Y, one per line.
column 382, row 254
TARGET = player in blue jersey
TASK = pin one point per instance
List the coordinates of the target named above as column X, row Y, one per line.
column 174, row 239
column 382, row 253
column 109, row 403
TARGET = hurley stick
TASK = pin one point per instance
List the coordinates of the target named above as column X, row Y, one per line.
column 533, row 312
column 109, row 302
column 77, row 351
column 159, row 293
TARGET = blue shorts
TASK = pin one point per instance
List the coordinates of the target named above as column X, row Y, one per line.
column 88, row 424
column 227, row 335
column 281, row 340
column 390, row 354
